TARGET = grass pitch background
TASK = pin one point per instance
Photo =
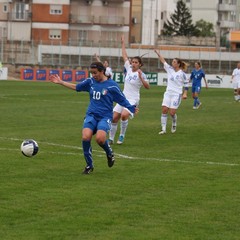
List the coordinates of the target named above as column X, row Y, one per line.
column 176, row 186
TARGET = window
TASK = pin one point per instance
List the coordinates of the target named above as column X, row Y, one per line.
column 56, row 9
column 20, row 11
column 55, row 34
column 5, row 8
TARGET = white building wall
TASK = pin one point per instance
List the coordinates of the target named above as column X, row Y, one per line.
column 151, row 21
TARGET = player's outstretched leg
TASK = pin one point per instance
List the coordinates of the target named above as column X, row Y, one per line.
column 87, row 151
column 109, row 152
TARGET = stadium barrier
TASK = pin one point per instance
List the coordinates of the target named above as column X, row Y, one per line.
column 214, row 81
column 72, row 75
column 3, row 73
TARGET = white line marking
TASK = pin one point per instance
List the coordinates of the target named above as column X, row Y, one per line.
column 102, row 154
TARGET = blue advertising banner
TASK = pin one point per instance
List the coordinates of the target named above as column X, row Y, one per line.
column 67, row 75
column 28, row 74
column 80, row 75
column 41, row 74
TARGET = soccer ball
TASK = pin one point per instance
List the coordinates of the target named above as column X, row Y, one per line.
column 29, row 147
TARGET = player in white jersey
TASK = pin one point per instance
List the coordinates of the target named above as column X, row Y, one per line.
column 134, row 80
column 177, row 79
column 236, row 82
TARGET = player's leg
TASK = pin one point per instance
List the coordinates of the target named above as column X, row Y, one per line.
column 123, row 126
column 193, row 96
column 164, row 116
column 124, row 121
column 116, row 116
column 87, row 132
column 103, row 128
column 238, row 91
column 175, row 103
column 235, row 90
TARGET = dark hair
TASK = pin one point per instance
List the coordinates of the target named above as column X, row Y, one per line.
column 139, row 60
column 99, row 66
column 198, row 63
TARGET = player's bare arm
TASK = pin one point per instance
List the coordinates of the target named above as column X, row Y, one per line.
column 124, row 52
column 145, row 83
column 57, row 80
column 161, row 58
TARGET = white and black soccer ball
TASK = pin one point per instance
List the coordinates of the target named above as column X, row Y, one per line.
column 29, row 147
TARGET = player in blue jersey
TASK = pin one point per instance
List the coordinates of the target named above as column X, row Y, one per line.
column 196, row 78
column 103, row 92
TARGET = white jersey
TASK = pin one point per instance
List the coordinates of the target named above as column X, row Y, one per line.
column 132, row 83
column 176, row 80
column 236, row 75
column 109, row 72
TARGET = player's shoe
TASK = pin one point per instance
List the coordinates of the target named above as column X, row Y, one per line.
column 110, row 141
column 162, row 132
column 120, row 139
column 110, row 159
column 173, row 129
column 194, row 108
column 87, row 170
column 199, row 105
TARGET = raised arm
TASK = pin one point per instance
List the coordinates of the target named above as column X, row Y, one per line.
column 97, row 57
column 124, row 52
column 56, row 79
column 161, row 58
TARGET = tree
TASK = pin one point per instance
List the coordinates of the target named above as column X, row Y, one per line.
column 180, row 23
column 204, row 29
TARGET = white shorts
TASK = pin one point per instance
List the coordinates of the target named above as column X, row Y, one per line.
column 172, row 100
column 118, row 108
column 236, row 84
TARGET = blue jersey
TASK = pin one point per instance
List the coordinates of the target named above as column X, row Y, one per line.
column 102, row 96
column 196, row 77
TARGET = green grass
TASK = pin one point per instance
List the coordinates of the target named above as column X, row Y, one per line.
column 181, row 186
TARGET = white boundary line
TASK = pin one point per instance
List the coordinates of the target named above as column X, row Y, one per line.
column 101, row 154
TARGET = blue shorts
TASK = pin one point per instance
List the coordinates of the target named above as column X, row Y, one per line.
column 94, row 124
column 196, row 88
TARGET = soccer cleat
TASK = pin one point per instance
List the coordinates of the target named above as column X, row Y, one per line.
column 120, row 139
column 173, row 129
column 87, row 170
column 194, row 108
column 199, row 105
column 110, row 141
column 110, row 159
column 162, row 132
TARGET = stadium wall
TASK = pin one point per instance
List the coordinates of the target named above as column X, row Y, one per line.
column 214, row 81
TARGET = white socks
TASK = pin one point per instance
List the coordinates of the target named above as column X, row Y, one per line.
column 124, row 125
column 174, row 120
column 164, row 121
column 113, row 131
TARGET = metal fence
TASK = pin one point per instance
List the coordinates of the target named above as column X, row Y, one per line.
column 81, row 54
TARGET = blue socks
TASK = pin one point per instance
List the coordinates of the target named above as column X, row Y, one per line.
column 106, row 148
column 196, row 102
column 87, row 151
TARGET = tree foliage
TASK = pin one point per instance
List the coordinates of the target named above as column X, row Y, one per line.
column 180, row 23
column 204, row 29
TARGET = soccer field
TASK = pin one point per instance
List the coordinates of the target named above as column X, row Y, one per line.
column 180, row 186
